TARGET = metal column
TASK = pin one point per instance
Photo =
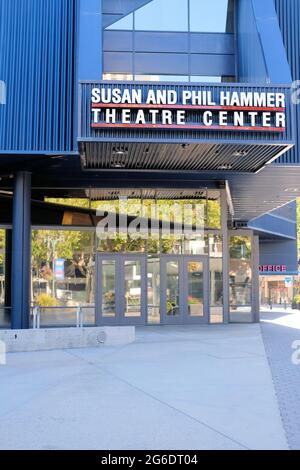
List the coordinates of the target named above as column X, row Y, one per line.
column 224, row 219
column 255, row 280
column 21, row 251
column 7, row 269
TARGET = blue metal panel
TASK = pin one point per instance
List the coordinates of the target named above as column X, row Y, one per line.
column 271, row 40
column 160, row 41
column 164, row 41
column 212, row 43
column 37, row 64
column 279, row 253
column 250, row 58
column 272, row 225
column 212, row 65
column 117, row 41
column 289, row 19
column 118, row 62
column 169, row 64
column 90, row 40
column 261, row 55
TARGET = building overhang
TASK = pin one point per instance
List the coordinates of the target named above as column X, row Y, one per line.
column 188, row 127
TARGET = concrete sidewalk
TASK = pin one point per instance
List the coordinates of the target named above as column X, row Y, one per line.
column 280, row 329
column 194, row 387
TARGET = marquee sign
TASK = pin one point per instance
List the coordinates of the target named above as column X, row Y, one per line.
column 189, row 108
column 211, row 127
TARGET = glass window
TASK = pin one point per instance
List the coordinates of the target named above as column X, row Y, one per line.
column 195, row 289
column 124, row 77
column 214, row 213
column 195, row 245
column 216, row 278
column 63, row 274
column 172, row 306
column 204, row 79
column 108, row 288
column 240, row 279
column 161, row 78
column 208, row 16
column 163, row 15
column 124, row 24
column 4, row 310
column 153, row 278
column 133, row 288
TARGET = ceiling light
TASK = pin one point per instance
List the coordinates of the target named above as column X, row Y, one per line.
column 226, row 167
column 240, row 153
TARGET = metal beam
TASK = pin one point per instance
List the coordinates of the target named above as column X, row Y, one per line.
column 21, row 251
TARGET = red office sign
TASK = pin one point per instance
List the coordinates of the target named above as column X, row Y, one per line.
column 272, row 268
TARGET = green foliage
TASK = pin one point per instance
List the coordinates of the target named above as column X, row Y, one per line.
column 62, row 243
column 240, row 247
column 2, row 246
column 296, row 299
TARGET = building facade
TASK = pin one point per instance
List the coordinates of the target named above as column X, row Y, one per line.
column 148, row 159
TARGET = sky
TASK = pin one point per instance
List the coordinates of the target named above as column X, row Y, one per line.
column 172, row 15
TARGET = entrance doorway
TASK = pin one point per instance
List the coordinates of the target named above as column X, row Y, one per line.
column 184, row 289
column 121, row 289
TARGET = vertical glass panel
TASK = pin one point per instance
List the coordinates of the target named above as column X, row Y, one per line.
column 124, row 24
column 4, row 310
column 209, row 16
column 118, row 76
column 133, row 288
column 195, row 289
column 216, row 278
column 171, row 245
column 214, row 210
column 162, row 78
column 172, row 282
column 240, row 279
column 153, row 290
column 163, row 15
column 205, row 79
column 63, row 273
column 196, row 245
column 108, row 288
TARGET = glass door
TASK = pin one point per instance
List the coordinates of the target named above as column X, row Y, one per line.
column 184, row 289
column 121, row 289
column 171, row 290
column 196, row 290
column 133, row 289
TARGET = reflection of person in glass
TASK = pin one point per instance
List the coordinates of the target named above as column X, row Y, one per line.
column 46, row 271
column 239, row 280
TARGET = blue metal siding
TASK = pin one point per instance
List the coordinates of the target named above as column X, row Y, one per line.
column 90, row 40
column 279, row 252
column 250, row 58
column 261, row 53
column 38, row 66
column 289, row 20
